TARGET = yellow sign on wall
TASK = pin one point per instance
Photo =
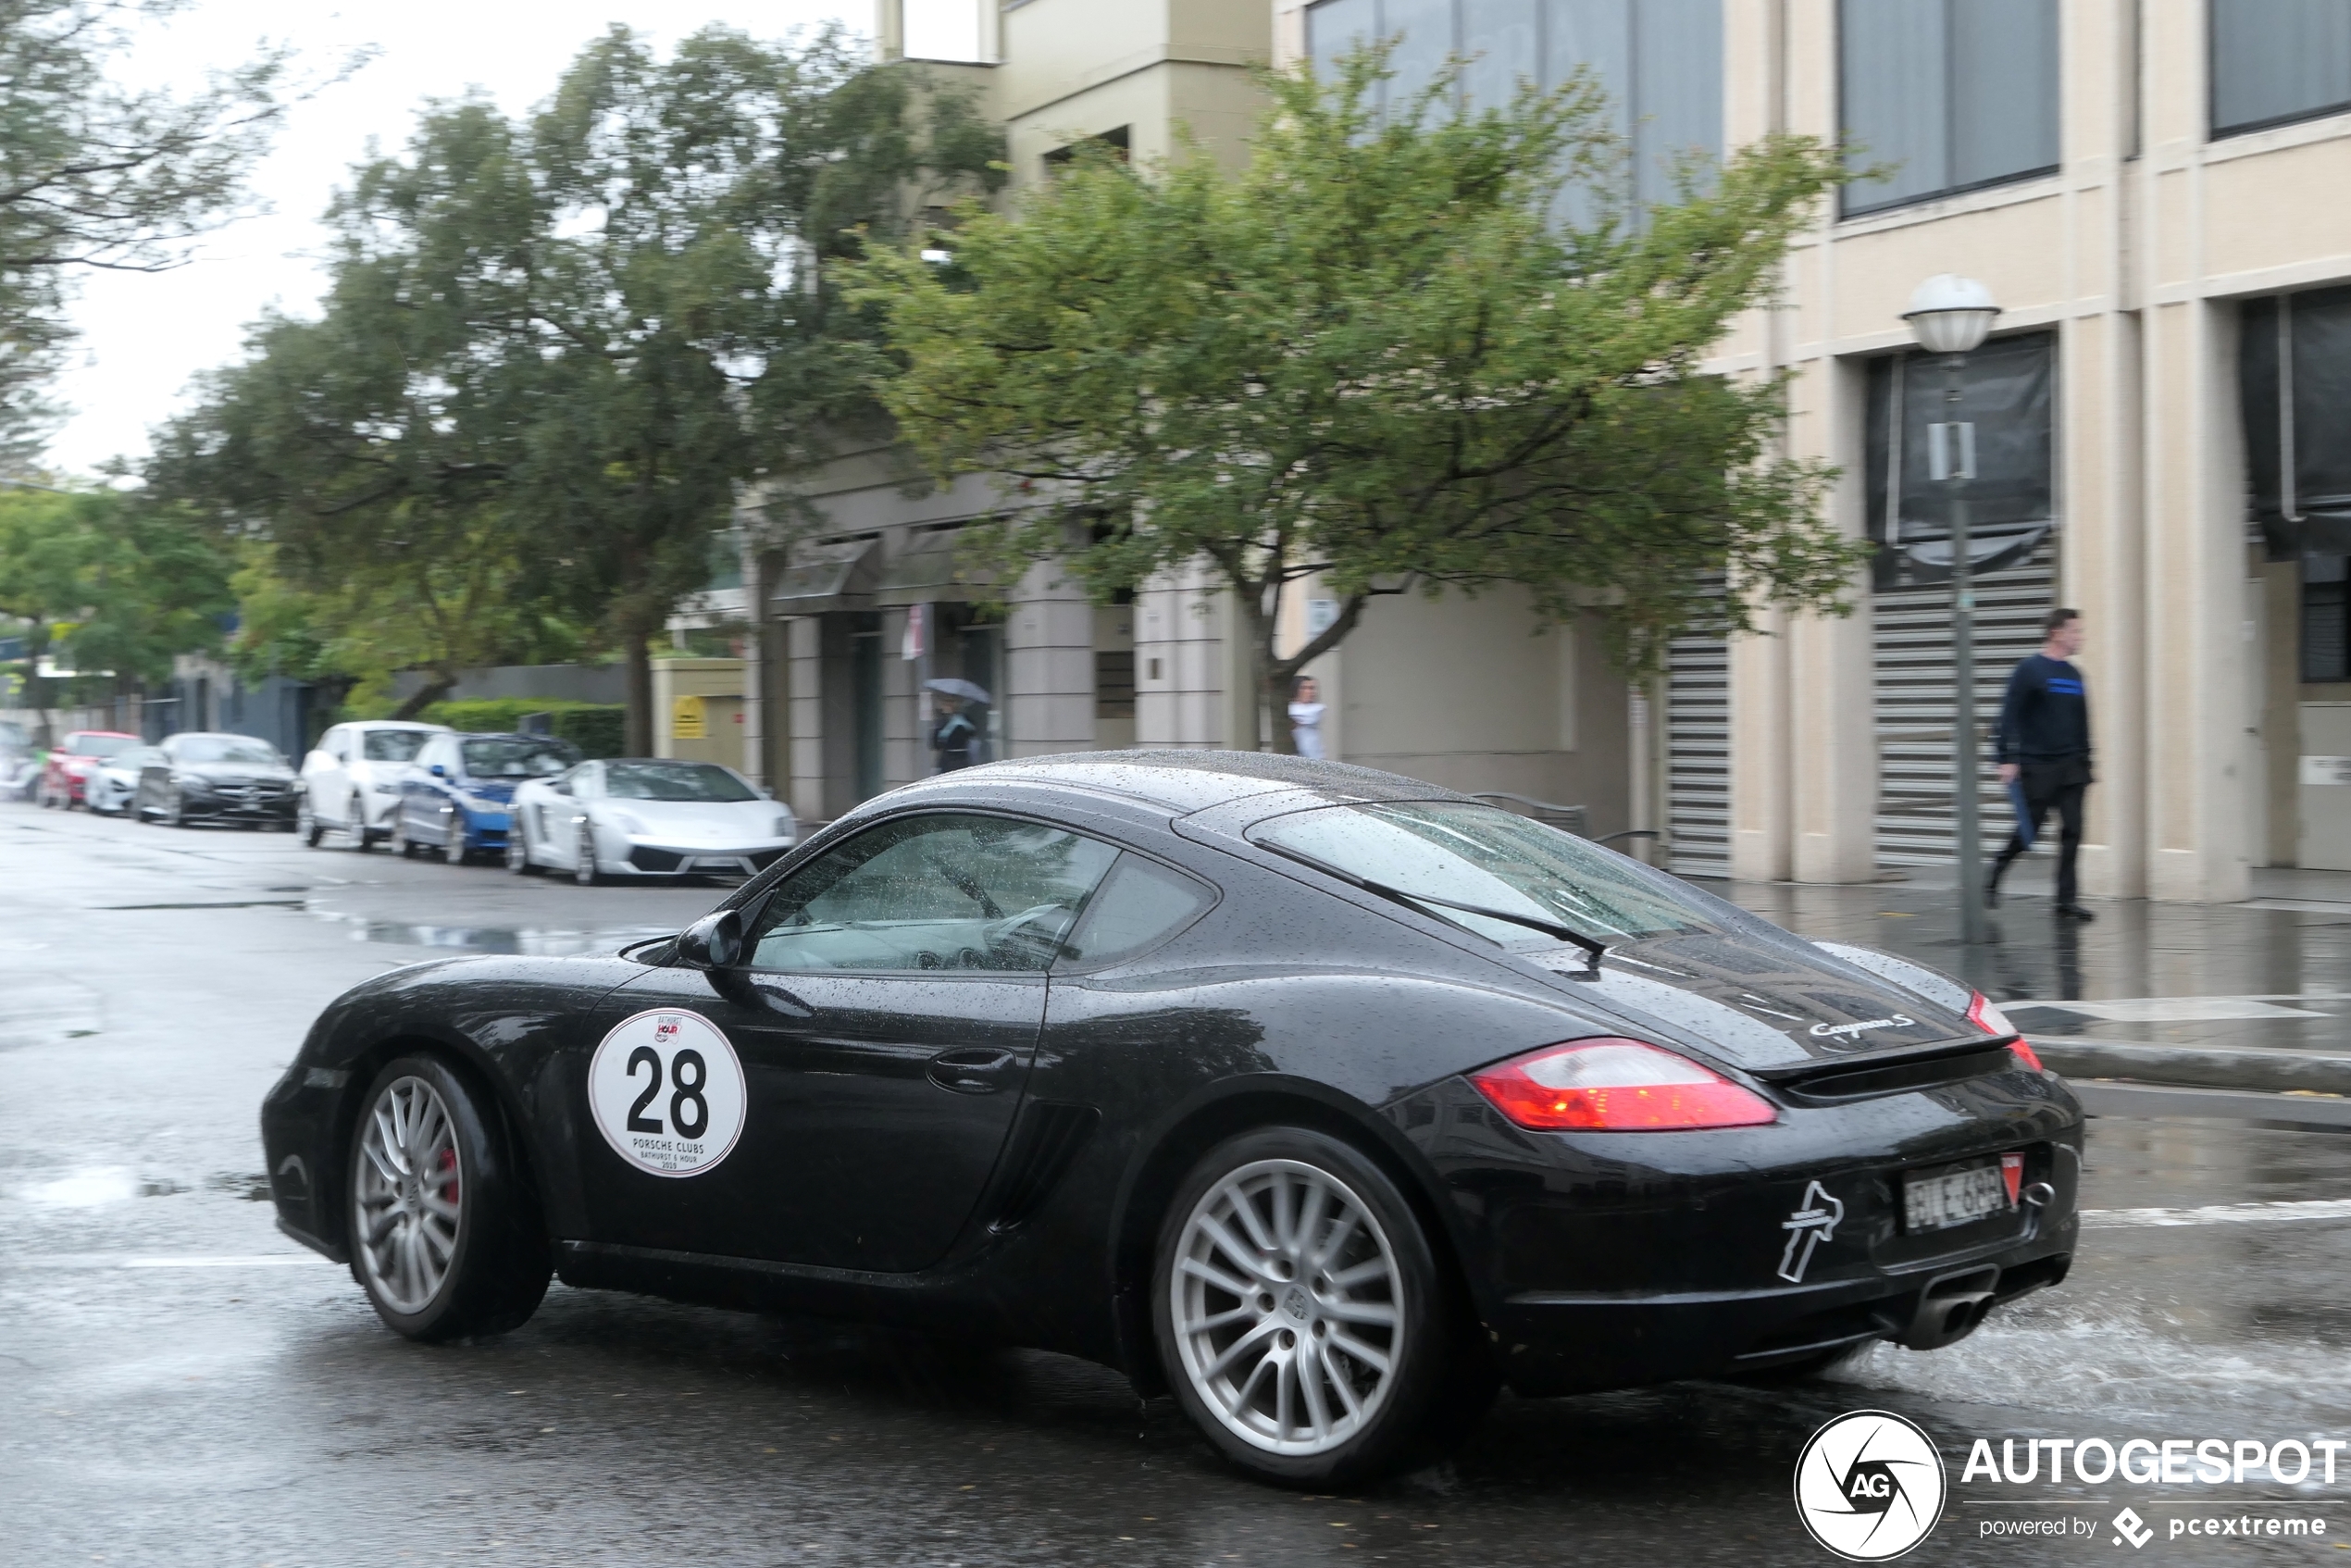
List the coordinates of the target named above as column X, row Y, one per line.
column 687, row 721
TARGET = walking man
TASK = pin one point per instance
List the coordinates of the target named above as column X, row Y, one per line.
column 2044, row 744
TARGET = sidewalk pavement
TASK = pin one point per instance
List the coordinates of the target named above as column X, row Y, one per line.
column 2243, row 996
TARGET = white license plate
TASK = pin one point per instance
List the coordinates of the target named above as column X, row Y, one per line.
column 1938, row 1202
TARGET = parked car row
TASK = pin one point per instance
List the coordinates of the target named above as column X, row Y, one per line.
column 534, row 803
column 530, row 801
column 198, row 777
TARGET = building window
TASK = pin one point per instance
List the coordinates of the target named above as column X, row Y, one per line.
column 2006, row 392
column 1952, row 94
column 2276, row 60
column 1660, row 61
column 2294, row 365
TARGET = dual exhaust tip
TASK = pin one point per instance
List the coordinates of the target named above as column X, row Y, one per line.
column 1953, row 1305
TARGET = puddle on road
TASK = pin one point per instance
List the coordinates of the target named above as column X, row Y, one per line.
column 528, row 941
column 90, row 1188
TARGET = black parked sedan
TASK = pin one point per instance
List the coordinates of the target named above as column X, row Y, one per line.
column 1322, row 1099
column 202, row 777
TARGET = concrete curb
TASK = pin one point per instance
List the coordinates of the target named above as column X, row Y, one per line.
column 2270, row 1072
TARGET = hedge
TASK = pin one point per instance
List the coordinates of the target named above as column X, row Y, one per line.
column 594, row 727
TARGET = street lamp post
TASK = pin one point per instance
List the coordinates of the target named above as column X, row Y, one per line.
column 1950, row 316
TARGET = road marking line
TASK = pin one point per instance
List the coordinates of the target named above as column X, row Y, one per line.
column 2218, row 1214
column 266, row 1259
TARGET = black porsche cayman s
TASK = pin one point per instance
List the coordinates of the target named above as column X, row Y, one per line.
column 1322, row 1099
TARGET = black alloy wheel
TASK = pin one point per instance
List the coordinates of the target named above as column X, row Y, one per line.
column 1305, row 1321
column 446, row 1235
column 583, row 864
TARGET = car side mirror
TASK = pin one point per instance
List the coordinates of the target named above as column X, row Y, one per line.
column 714, row 942
column 438, row 771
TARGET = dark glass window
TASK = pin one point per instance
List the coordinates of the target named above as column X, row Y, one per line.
column 2277, row 60
column 1660, row 61
column 2006, row 392
column 2326, row 627
column 1951, row 94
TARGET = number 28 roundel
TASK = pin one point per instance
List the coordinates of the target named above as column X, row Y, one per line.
column 667, row 1091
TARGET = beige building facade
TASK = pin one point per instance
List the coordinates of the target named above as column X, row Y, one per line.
column 2141, row 183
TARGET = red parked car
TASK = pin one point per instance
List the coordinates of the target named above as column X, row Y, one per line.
column 72, row 760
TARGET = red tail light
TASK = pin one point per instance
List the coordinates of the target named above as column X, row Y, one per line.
column 1990, row 1019
column 1609, row 1085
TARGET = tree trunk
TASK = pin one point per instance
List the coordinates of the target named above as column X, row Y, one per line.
column 637, row 724
column 431, row 691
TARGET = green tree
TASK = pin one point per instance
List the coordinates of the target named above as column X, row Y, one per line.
column 107, row 583
column 555, row 348
column 96, row 176
column 1375, row 354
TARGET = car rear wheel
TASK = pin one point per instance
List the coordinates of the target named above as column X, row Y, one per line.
column 1304, row 1319
column 583, row 864
column 445, row 1235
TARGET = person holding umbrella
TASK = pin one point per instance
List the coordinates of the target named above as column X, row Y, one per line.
column 955, row 735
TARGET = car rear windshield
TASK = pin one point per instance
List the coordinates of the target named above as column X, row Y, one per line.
column 499, row 757
column 1486, row 856
column 224, row 748
column 674, row 781
column 101, row 745
column 396, row 745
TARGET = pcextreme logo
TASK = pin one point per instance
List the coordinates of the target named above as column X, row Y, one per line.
column 1870, row 1485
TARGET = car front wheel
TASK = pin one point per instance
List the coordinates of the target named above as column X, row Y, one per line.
column 455, row 850
column 307, row 824
column 445, row 1236
column 1304, row 1320
column 583, row 864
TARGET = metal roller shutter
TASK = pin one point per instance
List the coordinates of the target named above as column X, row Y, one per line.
column 1697, row 742
column 1915, row 701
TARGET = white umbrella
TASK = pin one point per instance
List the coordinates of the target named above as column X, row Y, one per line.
column 963, row 689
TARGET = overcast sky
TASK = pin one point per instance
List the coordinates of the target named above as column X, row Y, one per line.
column 144, row 336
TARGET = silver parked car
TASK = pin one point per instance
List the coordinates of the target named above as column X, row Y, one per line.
column 351, row 779
column 644, row 817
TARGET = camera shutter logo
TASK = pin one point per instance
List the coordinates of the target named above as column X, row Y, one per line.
column 1870, row 1485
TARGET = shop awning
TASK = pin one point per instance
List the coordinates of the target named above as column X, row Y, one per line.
column 928, row 572
column 826, row 576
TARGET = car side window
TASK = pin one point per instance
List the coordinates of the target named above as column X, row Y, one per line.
column 945, row 891
column 1140, row 904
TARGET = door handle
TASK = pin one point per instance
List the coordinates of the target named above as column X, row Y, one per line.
column 975, row 1070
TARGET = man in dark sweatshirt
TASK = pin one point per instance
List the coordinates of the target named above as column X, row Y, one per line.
column 2044, row 741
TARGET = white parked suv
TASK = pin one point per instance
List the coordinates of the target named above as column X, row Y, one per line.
column 351, row 782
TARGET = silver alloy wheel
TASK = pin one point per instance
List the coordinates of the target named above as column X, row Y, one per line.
column 1289, row 1307
column 584, row 861
column 517, row 847
column 405, row 1205
column 453, row 849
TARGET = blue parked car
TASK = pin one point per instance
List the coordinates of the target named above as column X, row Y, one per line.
column 455, row 798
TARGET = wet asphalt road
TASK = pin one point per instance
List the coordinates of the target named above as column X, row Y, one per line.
column 179, row 1383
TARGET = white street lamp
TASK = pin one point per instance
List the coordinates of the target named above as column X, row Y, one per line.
column 1950, row 316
